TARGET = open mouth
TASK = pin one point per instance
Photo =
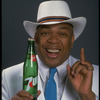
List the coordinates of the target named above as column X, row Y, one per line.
column 52, row 53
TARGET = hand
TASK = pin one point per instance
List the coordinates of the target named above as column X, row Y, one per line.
column 23, row 95
column 81, row 75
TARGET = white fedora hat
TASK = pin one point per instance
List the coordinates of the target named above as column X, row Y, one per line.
column 53, row 12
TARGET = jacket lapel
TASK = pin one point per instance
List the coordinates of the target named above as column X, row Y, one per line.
column 69, row 93
column 41, row 96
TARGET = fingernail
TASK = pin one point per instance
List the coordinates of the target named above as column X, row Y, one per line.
column 72, row 72
column 31, row 97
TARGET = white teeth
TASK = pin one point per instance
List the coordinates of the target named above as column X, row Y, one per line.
column 53, row 51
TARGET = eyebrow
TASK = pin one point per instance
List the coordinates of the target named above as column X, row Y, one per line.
column 43, row 26
column 63, row 28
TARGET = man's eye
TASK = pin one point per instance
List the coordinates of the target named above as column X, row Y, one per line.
column 63, row 34
column 44, row 33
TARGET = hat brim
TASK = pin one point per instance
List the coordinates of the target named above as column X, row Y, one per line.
column 78, row 26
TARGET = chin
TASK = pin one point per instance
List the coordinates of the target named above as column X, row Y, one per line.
column 51, row 65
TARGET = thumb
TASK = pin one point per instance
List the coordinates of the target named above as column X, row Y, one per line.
column 39, row 92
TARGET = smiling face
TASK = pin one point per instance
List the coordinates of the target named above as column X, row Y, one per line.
column 54, row 43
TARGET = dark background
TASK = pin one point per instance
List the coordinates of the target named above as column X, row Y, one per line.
column 14, row 36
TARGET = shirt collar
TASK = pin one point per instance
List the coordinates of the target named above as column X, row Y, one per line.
column 44, row 70
column 62, row 70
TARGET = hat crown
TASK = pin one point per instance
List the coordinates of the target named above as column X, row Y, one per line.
column 53, row 8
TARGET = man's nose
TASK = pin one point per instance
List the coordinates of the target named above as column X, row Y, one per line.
column 53, row 38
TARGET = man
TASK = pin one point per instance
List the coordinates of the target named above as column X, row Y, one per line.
column 55, row 32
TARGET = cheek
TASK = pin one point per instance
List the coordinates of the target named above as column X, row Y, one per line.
column 40, row 45
column 66, row 50
column 67, row 46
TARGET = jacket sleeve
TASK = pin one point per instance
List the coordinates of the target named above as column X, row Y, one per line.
column 5, row 93
column 97, row 98
column 95, row 84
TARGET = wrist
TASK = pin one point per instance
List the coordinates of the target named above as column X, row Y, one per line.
column 88, row 96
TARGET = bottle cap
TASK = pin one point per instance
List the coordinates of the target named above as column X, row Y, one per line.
column 31, row 39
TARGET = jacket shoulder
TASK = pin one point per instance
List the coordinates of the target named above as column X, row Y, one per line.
column 13, row 70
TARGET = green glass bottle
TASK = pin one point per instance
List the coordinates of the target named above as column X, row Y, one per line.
column 30, row 69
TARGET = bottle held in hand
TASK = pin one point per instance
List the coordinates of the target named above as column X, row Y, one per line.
column 30, row 69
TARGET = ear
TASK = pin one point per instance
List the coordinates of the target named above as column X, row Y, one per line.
column 35, row 37
column 73, row 38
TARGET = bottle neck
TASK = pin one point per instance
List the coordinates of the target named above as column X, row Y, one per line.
column 31, row 47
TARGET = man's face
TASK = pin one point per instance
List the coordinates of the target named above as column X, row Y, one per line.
column 54, row 43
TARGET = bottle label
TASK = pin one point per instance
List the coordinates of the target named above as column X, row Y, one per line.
column 33, row 57
column 31, row 82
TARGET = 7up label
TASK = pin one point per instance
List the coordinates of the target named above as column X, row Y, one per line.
column 31, row 82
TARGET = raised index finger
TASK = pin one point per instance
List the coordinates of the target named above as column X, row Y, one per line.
column 82, row 55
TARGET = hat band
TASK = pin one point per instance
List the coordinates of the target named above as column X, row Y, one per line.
column 53, row 18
